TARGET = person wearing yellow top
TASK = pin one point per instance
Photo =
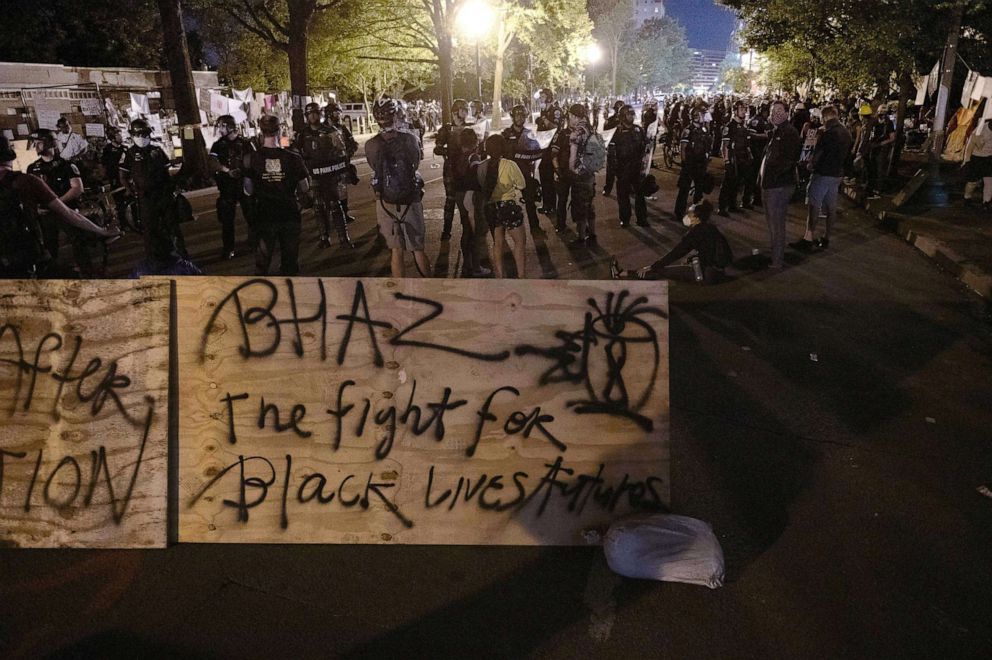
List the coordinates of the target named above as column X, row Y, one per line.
column 502, row 187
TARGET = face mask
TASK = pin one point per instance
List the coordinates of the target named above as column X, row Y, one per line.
column 142, row 142
column 687, row 220
column 707, row 117
column 222, row 131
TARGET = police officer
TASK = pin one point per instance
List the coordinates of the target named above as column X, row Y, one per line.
column 110, row 159
column 550, row 118
column 62, row 177
column 524, row 150
column 228, row 157
column 629, row 142
column 696, row 143
column 144, row 173
column 613, row 121
column 737, row 160
column 758, row 128
column 561, row 180
column 325, row 154
column 332, row 115
column 446, row 144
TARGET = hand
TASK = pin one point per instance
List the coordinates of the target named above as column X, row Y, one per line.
column 234, row 173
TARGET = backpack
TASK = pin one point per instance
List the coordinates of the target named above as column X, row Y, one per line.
column 398, row 175
column 593, row 156
column 20, row 249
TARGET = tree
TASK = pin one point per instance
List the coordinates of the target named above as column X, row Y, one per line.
column 655, row 56
column 194, row 168
column 613, row 20
column 284, row 25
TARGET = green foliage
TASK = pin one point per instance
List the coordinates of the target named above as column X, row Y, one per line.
column 656, row 56
column 110, row 33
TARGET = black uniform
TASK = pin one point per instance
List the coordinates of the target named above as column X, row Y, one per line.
column 351, row 147
column 148, row 170
column 233, row 154
column 525, row 152
column 611, row 153
column 447, row 144
column 275, row 174
column 58, row 174
column 629, row 143
column 325, row 154
column 758, row 128
column 560, row 153
column 552, row 117
column 696, row 140
column 739, row 162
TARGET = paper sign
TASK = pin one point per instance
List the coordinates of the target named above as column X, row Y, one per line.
column 22, row 129
column 218, row 104
column 94, row 130
column 544, row 137
column 9, row 134
column 47, row 117
column 91, row 107
column 11, row 111
column 139, row 104
column 155, row 123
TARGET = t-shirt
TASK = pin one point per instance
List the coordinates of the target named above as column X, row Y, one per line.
column 31, row 190
column 71, row 145
column 509, row 180
column 275, row 174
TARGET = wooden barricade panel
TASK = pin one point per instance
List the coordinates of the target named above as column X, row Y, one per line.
column 419, row 411
column 84, row 379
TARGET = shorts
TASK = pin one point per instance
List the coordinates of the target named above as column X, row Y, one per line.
column 506, row 214
column 401, row 225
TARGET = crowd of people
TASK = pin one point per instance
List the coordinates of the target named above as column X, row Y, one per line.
column 772, row 150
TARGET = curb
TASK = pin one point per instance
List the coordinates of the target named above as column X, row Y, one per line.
column 967, row 272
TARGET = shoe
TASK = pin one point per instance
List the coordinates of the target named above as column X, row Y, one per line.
column 802, row 245
column 723, row 213
column 822, row 243
column 625, row 223
column 591, row 238
column 615, row 270
column 445, row 235
column 325, row 242
column 226, row 255
column 577, row 242
column 642, row 223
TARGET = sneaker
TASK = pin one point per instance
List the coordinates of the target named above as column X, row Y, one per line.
column 802, row 245
column 577, row 242
column 822, row 243
column 325, row 242
column 591, row 238
column 226, row 255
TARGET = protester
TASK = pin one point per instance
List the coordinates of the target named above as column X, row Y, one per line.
column 272, row 180
column 703, row 240
column 22, row 252
column 502, row 186
column 71, row 146
column 394, row 156
column 778, row 178
column 587, row 155
column 827, row 167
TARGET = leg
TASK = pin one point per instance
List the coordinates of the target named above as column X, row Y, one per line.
column 549, row 191
column 728, row 189
column 640, row 207
column 623, row 199
column 449, row 201
column 499, row 243
column 420, row 259
column 814, row 199
column 830, row 204
column 682, row 199
column 987, row 189
column 227, row 208
column 50, row 234
column 396, row 262
column 564, row 188
column 530, row 204
column 248, row 211
column 519, row 237
column 289, row 248
column 265, row 249
column 776, row 206
column 469, row 261
column 462, row 209
column 340, row 223
column 611, row 169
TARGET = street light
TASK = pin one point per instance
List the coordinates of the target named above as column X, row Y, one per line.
column 592, row 53
column 474, row 20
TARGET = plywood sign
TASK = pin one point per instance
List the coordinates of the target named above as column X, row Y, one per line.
column 84, row 374
column 419, row 411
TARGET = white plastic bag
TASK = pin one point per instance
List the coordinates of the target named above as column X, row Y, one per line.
column 665, row 547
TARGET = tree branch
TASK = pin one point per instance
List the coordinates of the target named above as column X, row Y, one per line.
column 397, row 59
column 260, row 31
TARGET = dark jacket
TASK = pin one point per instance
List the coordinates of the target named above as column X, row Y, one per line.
column 781, row 155
column 832, row 149
column 629, row 143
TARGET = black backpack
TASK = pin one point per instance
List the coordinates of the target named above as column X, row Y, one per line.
column 398, row 176
column 20, row 249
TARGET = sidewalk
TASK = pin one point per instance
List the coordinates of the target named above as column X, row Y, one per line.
column 957, row 237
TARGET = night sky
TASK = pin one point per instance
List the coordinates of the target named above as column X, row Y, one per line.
column 707, row 24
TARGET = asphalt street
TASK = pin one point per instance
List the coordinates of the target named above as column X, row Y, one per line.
column 831, row 421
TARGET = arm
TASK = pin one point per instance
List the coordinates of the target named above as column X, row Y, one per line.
column 573, row 155
column 74, row 191
column 77, row 220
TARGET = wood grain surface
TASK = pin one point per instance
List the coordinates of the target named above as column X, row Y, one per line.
column 84, row 375
column 380, row 411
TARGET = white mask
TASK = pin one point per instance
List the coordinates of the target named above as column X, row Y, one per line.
column 142, row 142
column 687, row 220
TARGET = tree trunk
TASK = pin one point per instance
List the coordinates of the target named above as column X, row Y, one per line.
column 194, row 168
column 502, row 42
column 613, row 62
column 445, row 75
column 905, row 85
column 300, row 13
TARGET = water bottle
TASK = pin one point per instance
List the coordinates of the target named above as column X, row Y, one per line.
column 697, row 268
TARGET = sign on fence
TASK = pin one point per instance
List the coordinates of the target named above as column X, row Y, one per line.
column 84, row 373
column 419, row 411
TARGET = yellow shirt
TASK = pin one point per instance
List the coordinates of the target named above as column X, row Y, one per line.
column 510, row 182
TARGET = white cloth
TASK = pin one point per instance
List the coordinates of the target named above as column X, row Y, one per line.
column 969, row 86
column 980, row 142
column 70, row 145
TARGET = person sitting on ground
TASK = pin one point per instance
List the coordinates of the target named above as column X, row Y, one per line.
column 706, row 240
